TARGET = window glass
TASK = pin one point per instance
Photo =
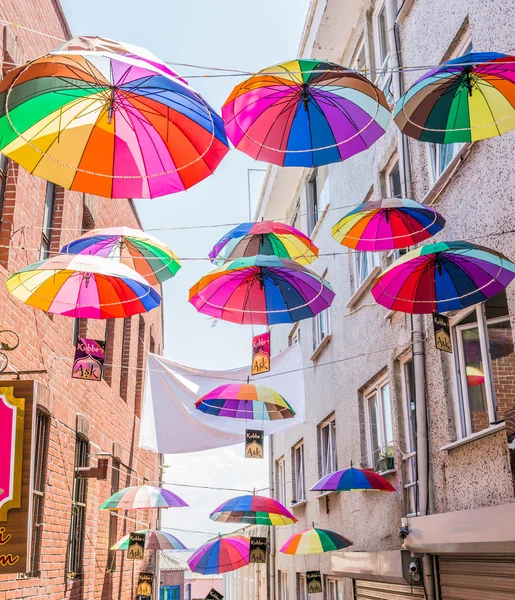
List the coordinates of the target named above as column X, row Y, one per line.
column 48, row 217
column 302, row 587
column 328, row 446
column 281, row 483
column 387, row 414
column 298, row 465
column 4, row 167
column 321, row 326
column 394, row 182
column 375, row 426
column 360, row 62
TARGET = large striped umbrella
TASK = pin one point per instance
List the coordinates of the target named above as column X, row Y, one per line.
column 314, row 541
column 142, row 497
column 83, row 287
column 221, row 556
column 142, row 252
column 265, row 238
column 442, row 277
column 352, row 479
column 468, row 98
column 305, row 113
column 261, row 290
column 245, row 401
column 155, row 539
column 387, row 224
column 258, row 510
column 109, row 125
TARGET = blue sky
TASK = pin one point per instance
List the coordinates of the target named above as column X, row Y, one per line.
column 235, row 34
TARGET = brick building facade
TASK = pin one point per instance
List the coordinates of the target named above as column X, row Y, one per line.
column 76, row 420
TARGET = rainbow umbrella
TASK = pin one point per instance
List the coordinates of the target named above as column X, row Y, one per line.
column 261, row 290
column 258, row 510
column 353, row 479
column 468, row 98
column 314, row 541
column 108, row 125
column 475, row 376
column 265, row 238
column 154, row 540
column 142, row 252
column 141, row 497
column 442, row 277
column 245, row 401
column 83, row 287
column 305, row 113
column 221, row 556
column 387, row 224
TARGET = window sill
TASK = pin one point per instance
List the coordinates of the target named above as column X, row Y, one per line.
column 299, row 503
column 385, row 473
column 319, row 222
column 325, row 494
column 363, row 287
column 320, row 347
column 474, row 436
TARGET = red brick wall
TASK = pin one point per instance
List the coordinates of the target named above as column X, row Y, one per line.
column 46, row 344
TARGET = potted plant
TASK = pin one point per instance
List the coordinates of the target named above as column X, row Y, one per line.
column 386, row 460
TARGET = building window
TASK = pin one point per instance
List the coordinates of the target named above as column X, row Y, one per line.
column 485, row 365
column 294, row 335
column 140, row 373
column 38, row 493
column 410, row 429
column 48, row 218
column 333, row 588
column 328, row 460
column 126, row 351
column 80, row 330
column 317, row 196
column 360, row 61
column 393, row 180
column 382, row 51
column 78, row 520
column 109, row 347
column 281, row 481
column 302, row 587
column 113, row 517
column 379, row 424
column 364, row 264
column 299, row 480
column 283, row 585
column 322, row 327
column 4, row 169
column 295, row 220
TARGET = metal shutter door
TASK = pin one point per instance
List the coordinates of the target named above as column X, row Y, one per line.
column 477, row 577
column 375, row 590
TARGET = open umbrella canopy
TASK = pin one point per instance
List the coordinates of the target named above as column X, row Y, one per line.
column 221, row 556
column 442, row 277
column 352, row 479
column 305, row 113
column 258, row 510
column 266, row 238
column 141, row 497
column 154, row 540
column 133, row 247
column 245, row 401
column 83, row 287
column 468, row 98
column 387, row 224
column 261, row 290
column 314, row 541
column 108, row 125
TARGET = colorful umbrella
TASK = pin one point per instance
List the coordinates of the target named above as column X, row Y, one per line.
column 305, row 113
column 245, row 401
column 154, row 540
column 265, row 238
column 142, row 252
column 314, row 541
column 468, row 98
column 221, row 556
column 108, row 125
column 257, row 510
column 352, row 479
column 141, row 497
column 261, row 290
column 475, row 376
column 387, row 224
column 442, row 277
column 83, row 287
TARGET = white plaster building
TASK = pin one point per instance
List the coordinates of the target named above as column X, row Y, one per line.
column 360, row 392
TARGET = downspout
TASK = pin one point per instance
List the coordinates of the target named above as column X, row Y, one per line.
column 418, row 349
column 271, row 557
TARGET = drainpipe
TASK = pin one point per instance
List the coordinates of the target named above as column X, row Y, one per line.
column 271, row 557
column 418, row 349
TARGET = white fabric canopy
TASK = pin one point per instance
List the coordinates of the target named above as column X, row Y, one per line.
column 172, row 425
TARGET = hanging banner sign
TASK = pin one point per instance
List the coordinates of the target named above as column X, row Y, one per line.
column 89, row 359
column 145, row 583
column 254, row 441
column 136, row 548
column 16, row 421
column 258, row 548
column 214, row 595
column 261, row 353
column 314, row 581
column 442, row 331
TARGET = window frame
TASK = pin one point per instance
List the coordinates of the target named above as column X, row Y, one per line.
column 373, row 261
column 335, row 583
column 299, row 483
column 312, row 201
column 360, row 49
column 376, row 390
column 75, row 553
column 113, row 517
column 281, row 480
column 4, row 175
column 48, row 219
column 302, row 586
column 283, row 585
column 383, row 78
column 294, row 335
column 331, row 451
column 410, row 457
